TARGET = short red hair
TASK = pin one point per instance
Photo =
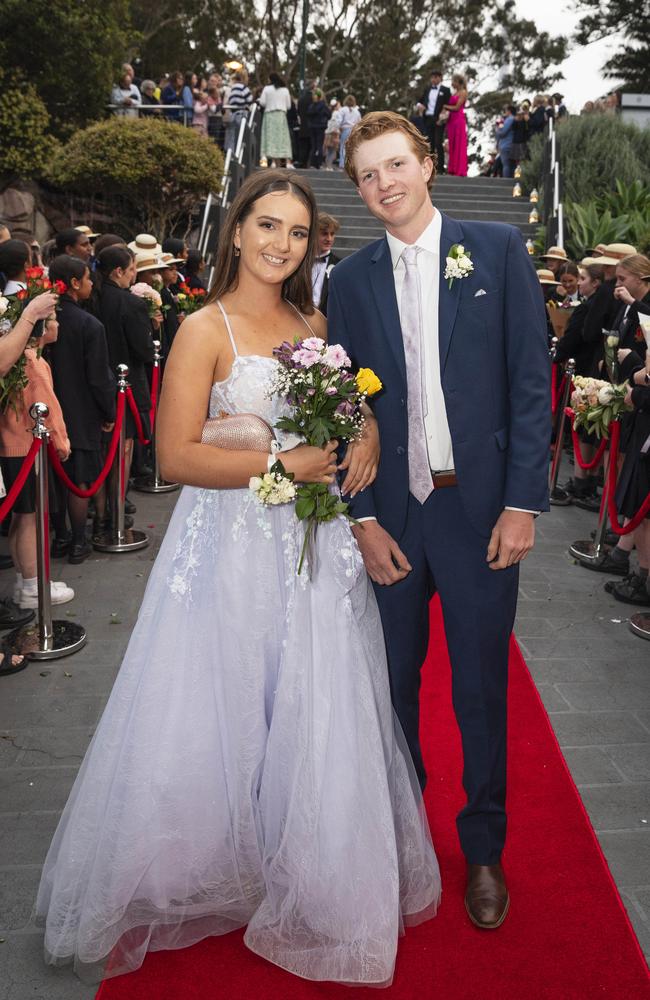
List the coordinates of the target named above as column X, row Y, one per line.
column 377, row 123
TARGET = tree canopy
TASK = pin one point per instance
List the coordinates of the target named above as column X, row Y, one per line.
column 631, row 59
column 69, row 51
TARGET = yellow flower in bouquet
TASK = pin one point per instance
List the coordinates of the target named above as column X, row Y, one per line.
column 367, row 382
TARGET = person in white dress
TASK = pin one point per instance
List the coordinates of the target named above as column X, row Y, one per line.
column 248, row 769
column 275, row 141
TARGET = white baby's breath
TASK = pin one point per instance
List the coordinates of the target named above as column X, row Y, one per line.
column 272, row 489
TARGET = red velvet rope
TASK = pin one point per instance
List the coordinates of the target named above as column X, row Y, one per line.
column 155, row 386
column 644, row 509
column 136, row 416
column 21, row 478
column 62, row 474
column 556, row 391
column 586, row 466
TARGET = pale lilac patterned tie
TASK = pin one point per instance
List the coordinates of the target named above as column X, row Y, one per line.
column 420, row 480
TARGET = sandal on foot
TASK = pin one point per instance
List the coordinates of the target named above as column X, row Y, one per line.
column 7, row 665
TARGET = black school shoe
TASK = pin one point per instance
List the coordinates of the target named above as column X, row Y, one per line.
column 632, row 589
column 79, row 552
column 11, row 616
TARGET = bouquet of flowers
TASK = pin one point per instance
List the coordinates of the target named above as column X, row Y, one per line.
column 190, row 299
column 325, row 400
column 596, row 403
column 151, row 297
column 14, row 382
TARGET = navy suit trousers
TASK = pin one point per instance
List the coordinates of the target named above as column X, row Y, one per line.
column 448, row 555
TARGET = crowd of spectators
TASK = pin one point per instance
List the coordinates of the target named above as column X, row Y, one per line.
column 308, row 131
column 72, row 344
column 600, row 308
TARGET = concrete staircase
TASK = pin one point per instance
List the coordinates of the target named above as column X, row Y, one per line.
column 478, row 198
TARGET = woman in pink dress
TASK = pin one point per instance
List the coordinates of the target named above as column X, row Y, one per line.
column 457, row 127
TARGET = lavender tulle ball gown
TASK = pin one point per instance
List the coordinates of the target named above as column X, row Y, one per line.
column 247, row 769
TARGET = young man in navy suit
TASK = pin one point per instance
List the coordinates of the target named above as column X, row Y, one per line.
column 451, row 317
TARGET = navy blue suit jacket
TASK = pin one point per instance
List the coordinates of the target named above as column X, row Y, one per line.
column 494, row 365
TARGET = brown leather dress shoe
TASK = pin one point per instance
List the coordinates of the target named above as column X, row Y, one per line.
column 486, row 900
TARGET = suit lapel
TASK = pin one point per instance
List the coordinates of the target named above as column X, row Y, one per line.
column 383, row 287
column 451, row 232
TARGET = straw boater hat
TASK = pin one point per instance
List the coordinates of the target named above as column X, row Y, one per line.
column 147, row 262
column 145, row 243
column 167, row 259
column 546, row 277
column 614, row 253
column 599, row 249
column 87, row 231
column 586, row 261
column 554, row 253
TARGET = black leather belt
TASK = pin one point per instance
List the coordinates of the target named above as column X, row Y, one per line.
column 442, row 479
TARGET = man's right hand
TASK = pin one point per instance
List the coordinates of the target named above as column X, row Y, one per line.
column 384, row 560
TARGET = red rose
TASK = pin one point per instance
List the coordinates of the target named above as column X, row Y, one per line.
column 22, row 294
column 34, row 272
column 198, row 292
column 46, row 284
column 60, row 287
column 184, row 287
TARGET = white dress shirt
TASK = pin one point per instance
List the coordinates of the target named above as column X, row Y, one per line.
column 433, row 100
column 436, row 425
column 318, row 272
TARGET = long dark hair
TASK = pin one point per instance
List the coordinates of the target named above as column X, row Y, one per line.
column 14, row 258
column 65, row 267
column 111, row 257
column 298, row 287
column 276, row 80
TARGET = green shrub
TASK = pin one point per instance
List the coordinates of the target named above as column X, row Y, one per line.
column 26, row 146
column 590, row 224
column 147, row 173
column 595, row 152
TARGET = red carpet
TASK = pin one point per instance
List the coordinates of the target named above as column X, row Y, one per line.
column 567, row 936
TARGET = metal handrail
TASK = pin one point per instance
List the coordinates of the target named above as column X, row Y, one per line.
column 238, row 164
column 557, row 212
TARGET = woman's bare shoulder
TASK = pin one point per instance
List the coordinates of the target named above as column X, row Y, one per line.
column 318, row 323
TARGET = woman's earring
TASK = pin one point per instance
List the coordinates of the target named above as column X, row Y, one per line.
column 237, row 250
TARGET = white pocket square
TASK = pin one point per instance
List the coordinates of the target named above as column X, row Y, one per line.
column 481, row 291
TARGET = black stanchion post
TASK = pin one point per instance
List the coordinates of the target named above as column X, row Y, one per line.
column 558, row 496
column 121, row 539
column 155, row 483
column 49, row 639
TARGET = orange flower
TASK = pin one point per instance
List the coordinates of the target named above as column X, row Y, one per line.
column 34, row 272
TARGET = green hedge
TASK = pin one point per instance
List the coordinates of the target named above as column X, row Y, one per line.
column 25, row 144
column 146, row 173
column 605, row 169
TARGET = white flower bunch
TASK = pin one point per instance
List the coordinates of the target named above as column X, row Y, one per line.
column 458, row 263
column 272, row 489
column 4, row 305
column 596, row 403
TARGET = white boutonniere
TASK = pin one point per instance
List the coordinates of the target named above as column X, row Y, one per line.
column 459, row 263
column 329, row 269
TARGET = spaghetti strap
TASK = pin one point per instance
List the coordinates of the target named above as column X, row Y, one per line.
column 228, row 328
column 295, row 308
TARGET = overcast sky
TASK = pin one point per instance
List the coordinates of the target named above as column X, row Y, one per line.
column 582, row 78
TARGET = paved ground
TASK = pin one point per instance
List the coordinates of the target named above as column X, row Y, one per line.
column 593, row 674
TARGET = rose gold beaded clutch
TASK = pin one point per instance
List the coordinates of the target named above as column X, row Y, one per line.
column 238, row 432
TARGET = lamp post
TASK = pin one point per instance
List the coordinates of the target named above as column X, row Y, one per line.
column 303, row 43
